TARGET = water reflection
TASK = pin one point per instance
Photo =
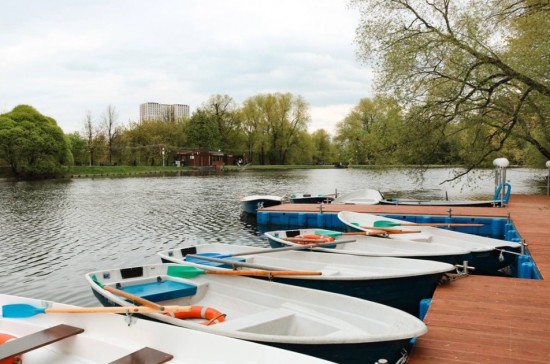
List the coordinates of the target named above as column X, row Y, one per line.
column 53, row 232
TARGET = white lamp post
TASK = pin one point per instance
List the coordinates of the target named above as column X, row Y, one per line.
column 163, row 156
column 500, row 176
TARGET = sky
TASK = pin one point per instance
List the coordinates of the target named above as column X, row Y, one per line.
column 70, row 57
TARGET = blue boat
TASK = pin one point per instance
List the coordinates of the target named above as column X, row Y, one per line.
column 396, row 282
column 250, row 204
column 372, row 246
column 486, row 255
column 330, row 326
column 311, row 198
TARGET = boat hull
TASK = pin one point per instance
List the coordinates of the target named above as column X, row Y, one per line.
column 251, row 204
column 485, row 255
column 311, row 199
column 353, row 353
column 404, row 293
column 445, row 258
column 303, row 320
column 106, row 338
column 396, row 282
column 337, row 352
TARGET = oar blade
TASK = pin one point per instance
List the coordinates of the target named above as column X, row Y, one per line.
column 184, row 271
column 330, row 233
column 21, row 310
column 385, row 223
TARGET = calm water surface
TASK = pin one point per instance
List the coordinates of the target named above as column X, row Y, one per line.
column 53, row 232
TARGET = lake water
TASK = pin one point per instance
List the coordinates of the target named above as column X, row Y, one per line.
column 53, row 232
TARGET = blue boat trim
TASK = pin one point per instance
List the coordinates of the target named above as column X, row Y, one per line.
column 161, row 291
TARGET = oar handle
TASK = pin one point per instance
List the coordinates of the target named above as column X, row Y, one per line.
column 370, row 232
column 263, row 273
column 393, row 231
column 129, row 310
column 306, row 240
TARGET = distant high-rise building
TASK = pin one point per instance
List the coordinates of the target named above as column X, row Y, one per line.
column 156, row 111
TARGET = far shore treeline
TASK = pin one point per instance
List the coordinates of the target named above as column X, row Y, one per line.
column 457, row 83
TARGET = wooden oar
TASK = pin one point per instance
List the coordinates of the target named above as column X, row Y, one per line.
column 334, row 234
column 184, row 271
column 385, row 223
column 135, row 299
column 274, row 250
column 392, row 231
column 20, row 310
column 244, row 264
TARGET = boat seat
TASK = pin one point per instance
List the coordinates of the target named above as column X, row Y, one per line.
column 145, row 355
column 37, row 340
column 161, row 290
column 256, row 319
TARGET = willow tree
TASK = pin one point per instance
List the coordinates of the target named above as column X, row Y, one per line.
column 223, row 112
column 372, row 133
column 274, row 124
column 33, row 144
column 464, row 67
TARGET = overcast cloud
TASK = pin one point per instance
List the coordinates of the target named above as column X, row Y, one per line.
column 68, row 57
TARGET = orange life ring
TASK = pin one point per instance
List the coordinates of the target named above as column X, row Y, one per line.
column 4, row 338
column 311, row 239
column 211, row 314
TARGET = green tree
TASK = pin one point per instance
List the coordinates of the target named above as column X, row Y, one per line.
column 143, row 142
column 202, row 131
column 374, row 132
column 224, row 113
column 79, row 148
column 324, row 151
column 273, row 125
column 33, row 144
column 465, row 67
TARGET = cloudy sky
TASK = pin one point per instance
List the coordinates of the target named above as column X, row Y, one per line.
column 68, row 57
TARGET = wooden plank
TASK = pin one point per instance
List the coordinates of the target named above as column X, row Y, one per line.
column 38, row 339
column 145, row 355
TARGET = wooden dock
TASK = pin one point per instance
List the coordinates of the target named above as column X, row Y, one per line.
column 481, row 319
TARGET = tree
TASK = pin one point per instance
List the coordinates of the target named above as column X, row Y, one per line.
column 324, row 151
column 145, row 140
column 202, row 131
column 33, row 144
column 90, row 134
column 79, row 148
column 223, row 112
column 110, row 119
column 374, row 132
column 465, row 68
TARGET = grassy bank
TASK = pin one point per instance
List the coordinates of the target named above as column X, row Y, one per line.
column 87, row 171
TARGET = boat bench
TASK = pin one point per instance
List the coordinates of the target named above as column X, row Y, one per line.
column 161, row 291
column 260, row 318
column 145, row 355
column 37, row 340
column 53, row 334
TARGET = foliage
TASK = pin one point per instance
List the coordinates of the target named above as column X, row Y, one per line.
column 202, row 131
column 372, row 133
column 142, row 142
column 273, row 124
column 32, row 144
column 476, row 72
column 79, row 148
